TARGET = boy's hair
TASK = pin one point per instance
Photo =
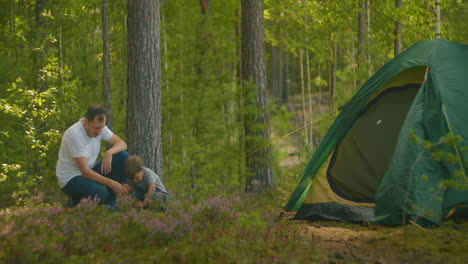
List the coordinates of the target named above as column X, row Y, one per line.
column 96, row 110
column 132, row 165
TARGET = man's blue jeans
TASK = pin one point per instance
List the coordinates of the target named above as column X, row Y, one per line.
column 79, row 187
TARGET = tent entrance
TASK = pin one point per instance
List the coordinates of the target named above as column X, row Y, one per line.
column 362, row 156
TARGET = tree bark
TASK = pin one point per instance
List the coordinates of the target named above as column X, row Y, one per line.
column 333, row 74
column 304, row 111
column 437, row 23
column 40, row 30
column 144, row 83
column 309, row 90
column 106, row 78
column 368, row 53
column 259, row 157
column 202, row 46
column 397, row 50
column 361, row 28
column 286, row 81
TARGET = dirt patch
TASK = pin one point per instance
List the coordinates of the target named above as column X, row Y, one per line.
column 353, row 245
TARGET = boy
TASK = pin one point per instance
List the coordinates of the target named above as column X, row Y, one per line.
column 144, row 183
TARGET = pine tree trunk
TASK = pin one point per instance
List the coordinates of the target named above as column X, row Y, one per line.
column 304, row 111
column 397, row 50
column 167, row 87
column 144, row 83
column 279, row 86
column 368, row 55
column 309, row 90
column 40, row 30
column 333, row 74
column 320, row 86
column 286, row 81
column 259, row 157
column 361, row 28
column 272, row 76
column 437, row 23
column 194, row 171
column 106, row 78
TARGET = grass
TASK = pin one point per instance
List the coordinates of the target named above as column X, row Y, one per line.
column 216, row 229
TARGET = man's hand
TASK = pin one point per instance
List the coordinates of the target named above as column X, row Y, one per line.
column 106, row 164
column 139, row 204
column 118, row 188
column 127, row 187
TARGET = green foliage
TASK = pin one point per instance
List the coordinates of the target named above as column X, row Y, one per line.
column 443, row 151
column 32, row 120
column 37, row 100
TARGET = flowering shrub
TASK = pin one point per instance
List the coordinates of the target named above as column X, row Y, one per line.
column 215, row 229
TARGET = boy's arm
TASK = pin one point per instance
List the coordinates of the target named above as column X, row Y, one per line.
column 149, row 195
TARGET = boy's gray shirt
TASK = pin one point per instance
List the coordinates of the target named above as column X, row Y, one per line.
column 150, row 177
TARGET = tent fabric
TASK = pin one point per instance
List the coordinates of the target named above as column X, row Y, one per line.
column 362, row 156
column 401, row 184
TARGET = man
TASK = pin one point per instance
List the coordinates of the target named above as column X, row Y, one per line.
column 78, row 173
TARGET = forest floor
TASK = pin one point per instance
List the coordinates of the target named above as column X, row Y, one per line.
column 354, row 244
column 357, row 243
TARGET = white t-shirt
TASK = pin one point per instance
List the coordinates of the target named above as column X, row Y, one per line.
column 75, row 144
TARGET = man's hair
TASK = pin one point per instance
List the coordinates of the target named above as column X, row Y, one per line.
column 95, row 110
column 132, row 165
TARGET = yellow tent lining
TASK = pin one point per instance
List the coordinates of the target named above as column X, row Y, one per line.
column 411, row 75
column 321, row 192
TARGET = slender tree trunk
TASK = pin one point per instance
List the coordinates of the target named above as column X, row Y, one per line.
column 368, row 55
column 286, row 81
column 259, row 157
column 183, row 152
column 144, row 83
column 437, row 24
column 202, row 45
column 273, row 74
column 61, row 55
column 309, row 90
column 361, row 28
column 398, row 4
column 106, row 78
column 354, row 62
column 320, row 85
column 40, row 55
column 167, row 86
column 333, row 74
column 280, row 77
column 304, row 111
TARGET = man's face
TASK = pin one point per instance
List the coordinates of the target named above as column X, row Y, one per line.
column 94, row 128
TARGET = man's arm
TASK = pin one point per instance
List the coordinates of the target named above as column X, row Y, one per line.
column 117, row 145
column 89, row 174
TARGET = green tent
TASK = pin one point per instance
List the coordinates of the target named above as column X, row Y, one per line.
column 368, row 166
